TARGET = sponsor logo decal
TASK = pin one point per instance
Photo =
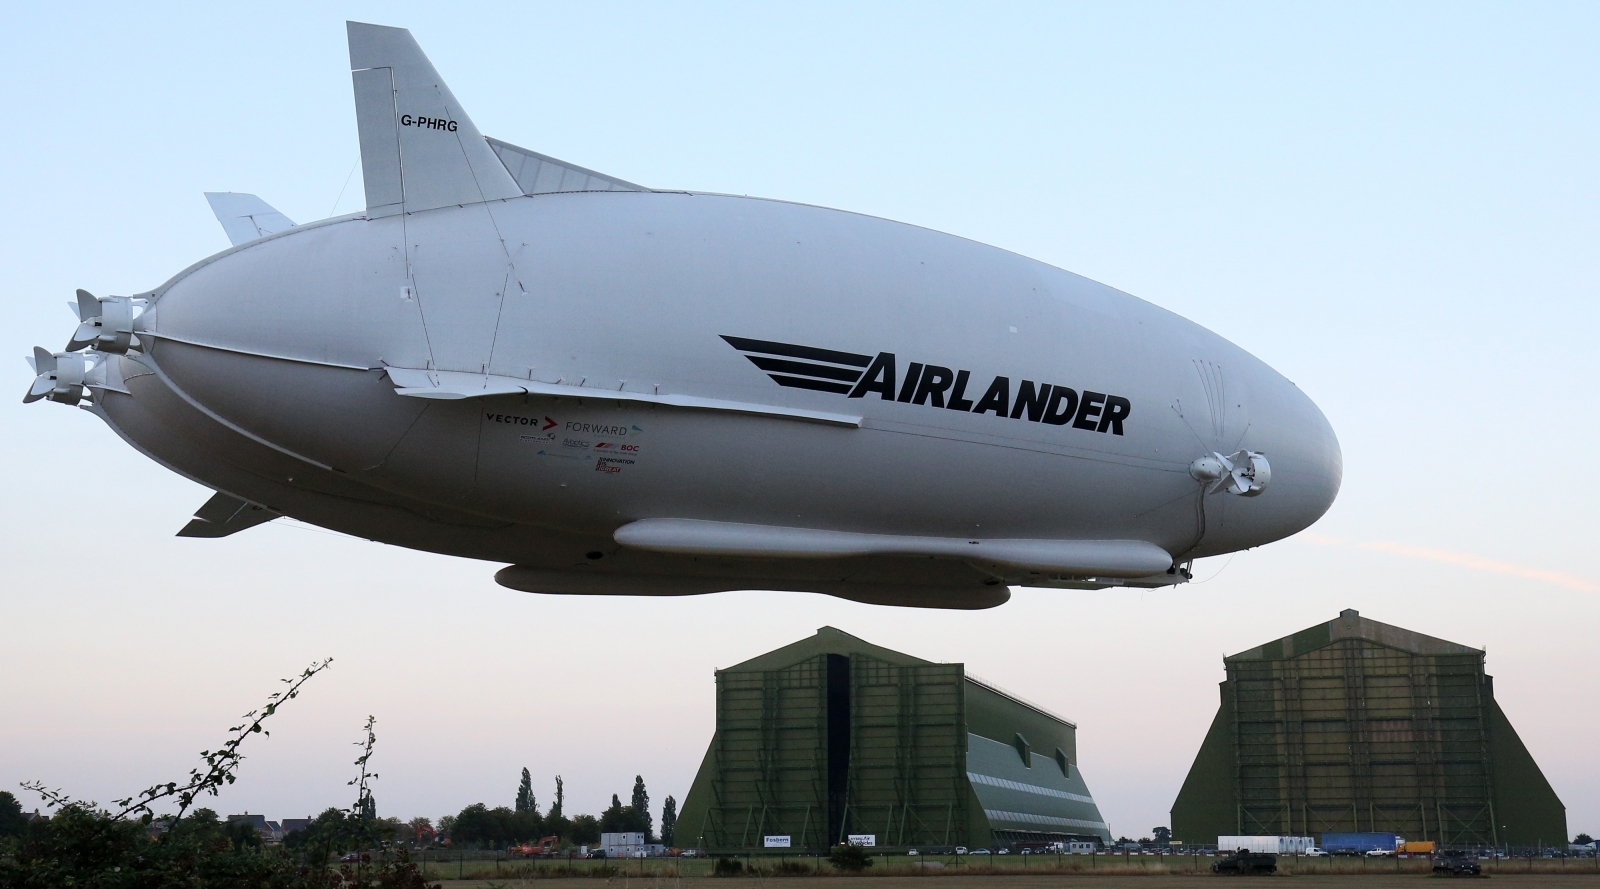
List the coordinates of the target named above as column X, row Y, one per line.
column 427, row 123
column 577, row 435
column 515, row 420
column 931, row 385
column 596, row 429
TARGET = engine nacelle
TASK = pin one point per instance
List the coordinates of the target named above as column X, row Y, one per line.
column 104, row 323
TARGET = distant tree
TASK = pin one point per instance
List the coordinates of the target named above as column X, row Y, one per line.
column 528, row 825
column 331, row 832
column 612, row 819
column 1163, row 835
column 479, row 825
column 585, row 830
column 555, row 807
column 624, row 819
column 446, row 827
column 669, row 820
column 1581, row 839
column 11, row 821
column 525, row 800
column 641, row 804
column 474, row 826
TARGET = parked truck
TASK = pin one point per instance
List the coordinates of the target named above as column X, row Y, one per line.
column 1361, row 843
column 1417, row 847
column 1269, row 845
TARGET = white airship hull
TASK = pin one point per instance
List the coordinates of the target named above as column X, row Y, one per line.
column 672, row 392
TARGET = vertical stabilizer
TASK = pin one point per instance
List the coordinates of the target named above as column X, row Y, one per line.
column 419, row 150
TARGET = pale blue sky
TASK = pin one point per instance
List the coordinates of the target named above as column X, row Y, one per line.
column 1394, row 205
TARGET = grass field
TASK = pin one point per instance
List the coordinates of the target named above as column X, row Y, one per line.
column 967, row 872
column 958, row 880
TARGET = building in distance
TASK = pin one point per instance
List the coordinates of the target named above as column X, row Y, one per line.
column 833, row 739
column 1357, row 726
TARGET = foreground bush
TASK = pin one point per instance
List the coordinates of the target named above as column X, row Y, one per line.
column 80, row 846
column 850, row 858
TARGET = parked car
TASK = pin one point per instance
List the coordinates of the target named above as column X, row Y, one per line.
column 911, row 852
column 961, row 850
column 350, row 858
column 1380, row 853
column 1243, row 862
column 1454, row 862
column 981, row 852
column 1314, row 852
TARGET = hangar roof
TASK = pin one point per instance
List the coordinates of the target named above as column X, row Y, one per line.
column 827, row 641
column 833, row 641
column 1351, row 625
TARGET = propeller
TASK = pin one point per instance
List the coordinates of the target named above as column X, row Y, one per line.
column 106, row 324
column 60, row 376
column 1244, row 472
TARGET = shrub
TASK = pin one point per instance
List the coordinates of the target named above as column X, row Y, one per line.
column 850, row 858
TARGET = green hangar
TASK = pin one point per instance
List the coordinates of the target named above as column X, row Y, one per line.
column 1355, row 725
column 833, row 738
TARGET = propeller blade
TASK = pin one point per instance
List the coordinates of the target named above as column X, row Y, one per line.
column 44, row 361
column 88, row 306
column 87, row 334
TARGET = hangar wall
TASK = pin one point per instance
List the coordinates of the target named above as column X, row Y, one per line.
column 1356, row 725
column 833, row 736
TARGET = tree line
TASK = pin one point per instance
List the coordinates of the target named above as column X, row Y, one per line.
column 480, row 826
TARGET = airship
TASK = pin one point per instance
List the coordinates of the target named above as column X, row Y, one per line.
column 610, row 389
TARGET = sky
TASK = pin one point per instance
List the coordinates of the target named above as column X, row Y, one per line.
column 1394, row 205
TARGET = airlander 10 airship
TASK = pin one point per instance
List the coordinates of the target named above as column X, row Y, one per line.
column 614, row 389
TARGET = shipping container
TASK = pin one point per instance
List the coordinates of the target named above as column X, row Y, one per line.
column 1359, row 843
column 1417, row 847
column 1271, row 845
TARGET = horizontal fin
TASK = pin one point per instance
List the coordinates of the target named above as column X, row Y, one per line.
column 536, row 173
column 455, row 385
column 223, row 515
column 419, row 149
column 245, row 217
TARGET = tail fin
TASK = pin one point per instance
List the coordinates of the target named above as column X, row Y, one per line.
column 419, row 150
column 246, row 217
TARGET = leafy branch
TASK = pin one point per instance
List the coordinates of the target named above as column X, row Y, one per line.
column 220, row 763
column 363, row 806
column 225, row 760
column 55, row 799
